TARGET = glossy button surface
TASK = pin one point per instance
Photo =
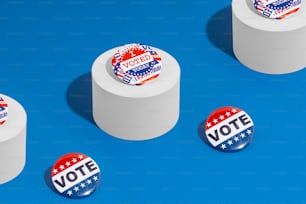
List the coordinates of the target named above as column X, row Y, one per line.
column 75, row 175
column 229, row 129
column 277, row 9
column 136, row 64
column 3, row 111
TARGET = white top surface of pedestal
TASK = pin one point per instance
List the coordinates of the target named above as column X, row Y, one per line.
column 105, row 77
column 16, row 120
column 241, row 8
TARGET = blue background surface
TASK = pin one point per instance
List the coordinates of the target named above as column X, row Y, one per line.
column 47, row 48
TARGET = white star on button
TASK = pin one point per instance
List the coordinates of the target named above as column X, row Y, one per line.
column 95, row 178
column 230, row 142
column 88, row 181
column 242, row 135
column 223, row 146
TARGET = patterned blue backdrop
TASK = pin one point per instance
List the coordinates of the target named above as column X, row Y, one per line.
column 47, row 48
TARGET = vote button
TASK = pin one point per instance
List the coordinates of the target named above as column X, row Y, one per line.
column 136, row 64
column 75, row 175
column 277, row 9
column 229, row 129
column 3, row 111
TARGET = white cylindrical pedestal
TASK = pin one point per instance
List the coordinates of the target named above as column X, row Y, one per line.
column 135, row 112
column 269, row 45
column 12, row 141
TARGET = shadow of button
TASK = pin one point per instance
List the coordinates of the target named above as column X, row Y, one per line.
column 48, row 179
column 202, row 134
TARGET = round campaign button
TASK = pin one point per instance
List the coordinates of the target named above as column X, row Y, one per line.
column 277, row 9
column 229, row 129
column 136, row 64
column 3, row 111
column 75, row 175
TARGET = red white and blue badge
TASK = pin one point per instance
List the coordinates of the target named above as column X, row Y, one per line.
column 277, row 9
column 229, row 129
column 3, row 111
column 136, row 64
column 75, row 175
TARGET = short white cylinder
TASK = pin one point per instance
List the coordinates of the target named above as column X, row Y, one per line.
column 12, row 141
column 135, row 112
column 269, row 45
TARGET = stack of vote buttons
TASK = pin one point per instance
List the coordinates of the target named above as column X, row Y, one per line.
column 3, row 111
column 75, row 175
column 277, row 9
column 136, row 64
column 229, row 129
